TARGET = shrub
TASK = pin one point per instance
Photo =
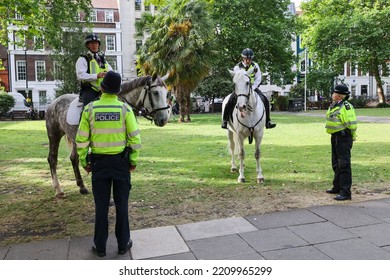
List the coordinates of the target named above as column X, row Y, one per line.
column 6, row 103
column 281, row 103
column 383, row 105
column 358, row 102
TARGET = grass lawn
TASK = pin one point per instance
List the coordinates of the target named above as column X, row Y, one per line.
column 184, row 175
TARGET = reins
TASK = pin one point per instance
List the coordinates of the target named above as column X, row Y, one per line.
column 250, row 108
column 143, row 111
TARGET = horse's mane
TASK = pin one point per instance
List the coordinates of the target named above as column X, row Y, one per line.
column 139, row 82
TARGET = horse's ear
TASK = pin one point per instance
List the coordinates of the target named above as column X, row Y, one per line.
column 154, row 77
column 165, row 77
column 231, row 72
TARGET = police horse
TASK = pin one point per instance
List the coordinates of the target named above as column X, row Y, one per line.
column 146, row 95
column 247, row 120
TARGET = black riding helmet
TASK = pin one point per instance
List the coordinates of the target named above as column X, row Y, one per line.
column 92, row 38
column 247, row 53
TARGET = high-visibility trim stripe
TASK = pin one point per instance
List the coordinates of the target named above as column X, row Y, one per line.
column 82, row 145
column 135, row 146
column 108, row 130
column 107, row 144
column 106, row 106
column 134, row 133
column 83, row 133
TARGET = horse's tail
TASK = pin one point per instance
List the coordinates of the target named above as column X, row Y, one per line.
column 69, row 142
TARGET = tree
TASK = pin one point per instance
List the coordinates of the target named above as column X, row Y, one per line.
column 40, row 18
column 264, row 26
column 354, row 31
column 65, row 59
column 179, row 44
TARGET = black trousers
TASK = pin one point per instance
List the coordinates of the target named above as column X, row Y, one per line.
column 233, row 99
column 341, row 162
column 87, row 95
column 107, row 171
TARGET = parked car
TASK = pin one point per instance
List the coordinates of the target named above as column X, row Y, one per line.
column 216, row 105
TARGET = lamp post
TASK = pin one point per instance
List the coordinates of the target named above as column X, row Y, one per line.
column 25, row 58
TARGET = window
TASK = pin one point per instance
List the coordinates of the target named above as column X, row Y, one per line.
column 39, row 43
column 147, row 7
column 112, row 61
column 353, row 91
column 109, row 16
column 40, row 71
column 22, row 71
column 110, row 43
column 42, row 97
column 354, row 69
column 138, row 44
column 56, row 70
column 137, row 5
column 93, row 16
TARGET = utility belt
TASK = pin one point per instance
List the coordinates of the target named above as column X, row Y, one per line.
column 87, row 86
column 124, row 155
column 343, row 133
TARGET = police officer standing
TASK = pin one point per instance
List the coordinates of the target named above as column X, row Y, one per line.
column 248, row 63
column 341, row 123
column 108, row 127
column 91, row 69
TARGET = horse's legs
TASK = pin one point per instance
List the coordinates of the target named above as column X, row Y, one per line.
column 241, row 155
column 54, row 143
column 233, row 168
column 260, row 177
column 74, row 158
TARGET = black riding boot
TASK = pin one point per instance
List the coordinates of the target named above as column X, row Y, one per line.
column 227, row 111
column 268, row 123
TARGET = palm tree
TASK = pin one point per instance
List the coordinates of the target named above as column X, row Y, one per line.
column 180, row 44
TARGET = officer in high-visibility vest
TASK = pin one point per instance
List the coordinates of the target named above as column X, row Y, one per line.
column 91, row 69
column 109, row 129
column 248, row 63
column 341, row 123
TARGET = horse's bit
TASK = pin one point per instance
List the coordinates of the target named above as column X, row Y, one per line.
column 143, row 111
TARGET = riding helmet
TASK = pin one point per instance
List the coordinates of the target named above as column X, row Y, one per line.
column 111, row 83
column 247, row 53
column 92, row 38
column 341, row 89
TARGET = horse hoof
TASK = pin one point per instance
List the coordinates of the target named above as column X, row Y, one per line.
column 233, row 170
column 60, row 195
column 241, row 180
column 260, row 180
column 84, row 191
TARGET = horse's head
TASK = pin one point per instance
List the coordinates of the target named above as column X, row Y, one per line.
column 148, row 95
column 243, row 89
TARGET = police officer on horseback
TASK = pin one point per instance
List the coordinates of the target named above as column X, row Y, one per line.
column 248, row 63
column 91, row 68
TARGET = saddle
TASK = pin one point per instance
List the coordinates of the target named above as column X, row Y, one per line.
column 74, row 112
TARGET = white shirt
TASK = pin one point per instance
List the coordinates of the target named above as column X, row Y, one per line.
column 82, row 68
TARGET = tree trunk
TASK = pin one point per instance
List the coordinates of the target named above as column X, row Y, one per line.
column 379, row 86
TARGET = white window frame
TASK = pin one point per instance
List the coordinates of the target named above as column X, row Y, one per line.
column 93, row 16
column 42, row 97
column 110, row 43
column 40, row 65
column 109, row 16
column 38, row 43
column 21, row 70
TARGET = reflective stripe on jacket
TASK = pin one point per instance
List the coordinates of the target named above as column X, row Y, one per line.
column 107, row 126
column 340, row 117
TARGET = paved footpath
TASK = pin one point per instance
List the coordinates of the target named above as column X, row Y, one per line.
column 343, row 231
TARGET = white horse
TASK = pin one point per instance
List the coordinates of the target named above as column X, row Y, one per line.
column 246, row 121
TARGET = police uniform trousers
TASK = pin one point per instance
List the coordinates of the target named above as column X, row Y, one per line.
column 107, row 171
column 87, row 95
column 341, row 162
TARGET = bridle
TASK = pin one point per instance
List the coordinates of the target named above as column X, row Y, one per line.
column 142, row 110
column 250, row 108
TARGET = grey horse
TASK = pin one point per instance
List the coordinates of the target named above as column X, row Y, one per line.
column 146, row 95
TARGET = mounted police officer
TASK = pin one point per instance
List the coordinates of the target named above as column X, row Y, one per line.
column 341, row 123
column 109, row 128
column 248, row 63
column 91, row 69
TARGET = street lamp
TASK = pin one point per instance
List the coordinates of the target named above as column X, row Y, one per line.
column 25, row 59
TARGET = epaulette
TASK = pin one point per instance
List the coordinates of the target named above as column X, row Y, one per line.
column 347, row 105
